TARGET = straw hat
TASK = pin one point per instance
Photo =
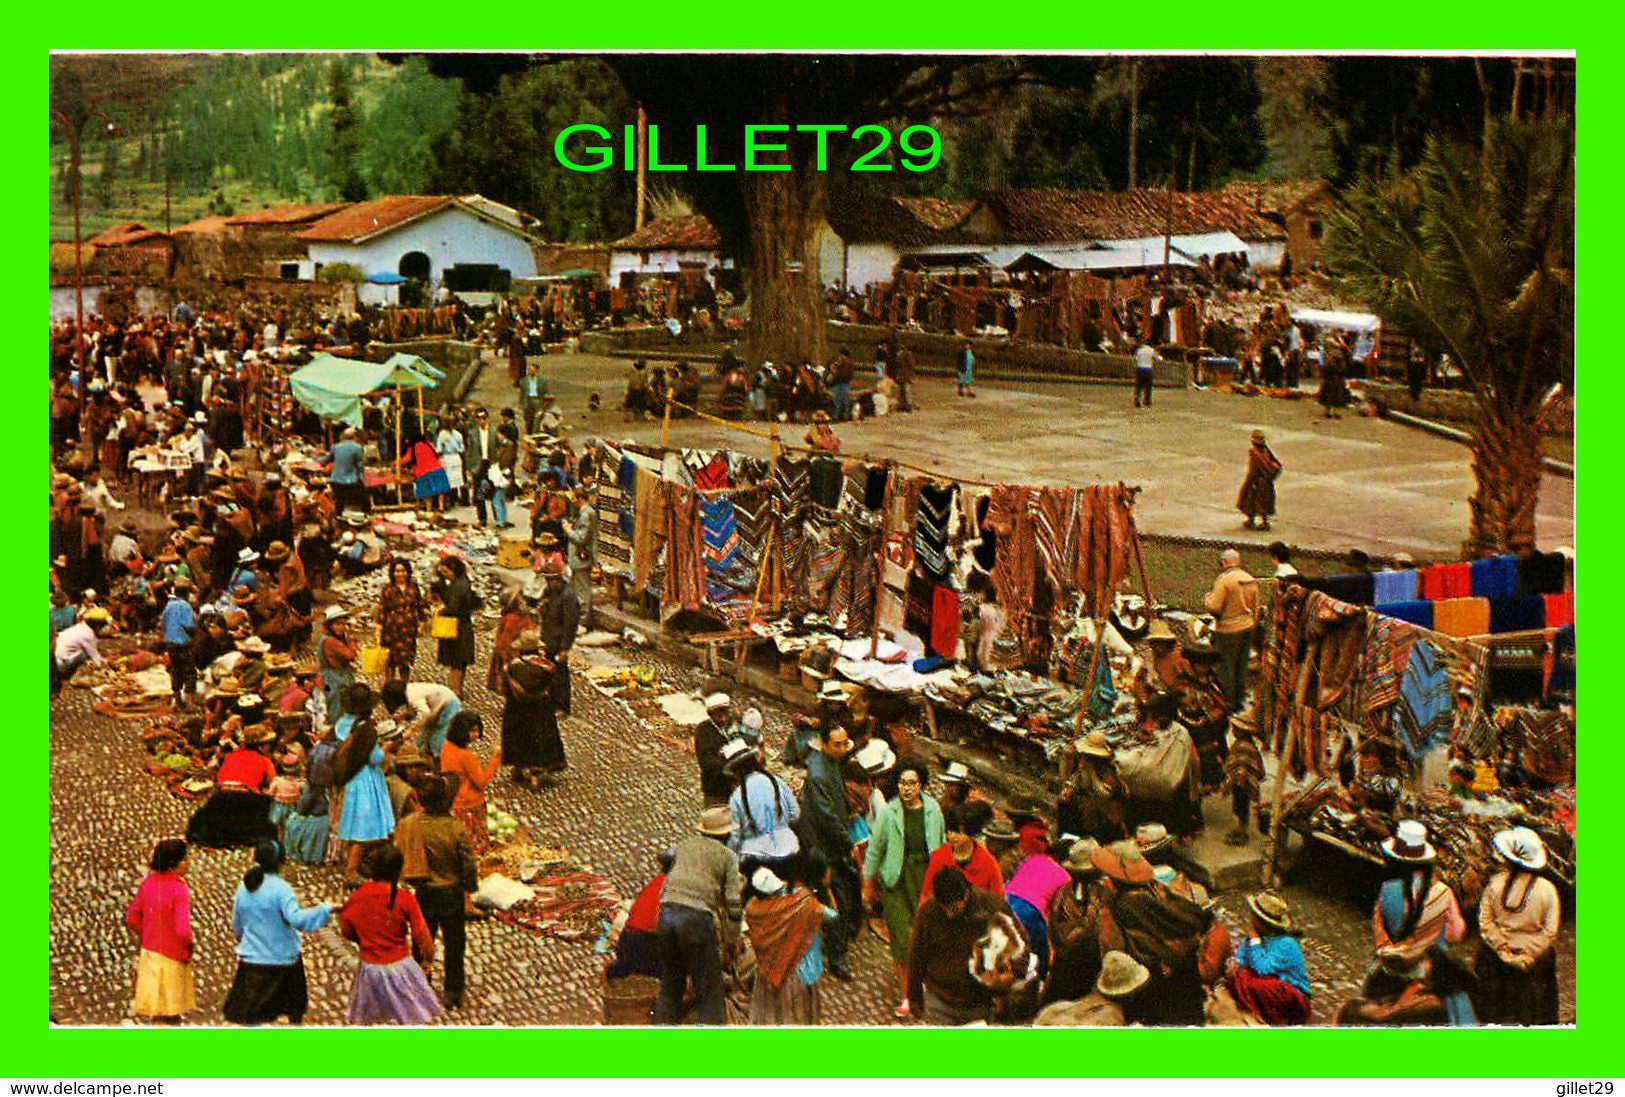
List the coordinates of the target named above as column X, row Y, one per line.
column 253, row 646
column 1000, row 830
column 1080, row 857
column 247, row 556
column 957, row 773
column 714, row 701
column 735, row 751
column 1522, row 847
column 227, row 687
column 276, row 550
column 765, row 882
column 1409, row 843
column 1124, row 862
column 1094, row 745
column 1271, row 909
column 715, row 823
column 335, row 613
column 1120, row 975
column 1151, row 837
column 390, row 729
column 876, row 757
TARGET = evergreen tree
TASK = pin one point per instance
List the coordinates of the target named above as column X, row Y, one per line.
column 344, row 143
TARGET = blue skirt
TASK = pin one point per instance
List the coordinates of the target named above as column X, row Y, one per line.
column 366, row 815
column 304, row 838
column 430, row 484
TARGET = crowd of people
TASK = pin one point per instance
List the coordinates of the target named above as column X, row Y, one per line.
column 989, row 916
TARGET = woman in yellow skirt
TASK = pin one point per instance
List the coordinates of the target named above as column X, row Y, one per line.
column 161, row 915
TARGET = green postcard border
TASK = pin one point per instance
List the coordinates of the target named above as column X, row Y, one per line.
column 33, row 1049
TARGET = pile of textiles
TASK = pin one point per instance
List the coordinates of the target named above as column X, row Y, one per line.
column 1015, row 702
column 571, row 903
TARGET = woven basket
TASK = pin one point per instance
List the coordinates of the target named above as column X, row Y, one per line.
column 630, row 1000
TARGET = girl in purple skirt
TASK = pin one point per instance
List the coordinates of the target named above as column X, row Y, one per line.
column 391, row 985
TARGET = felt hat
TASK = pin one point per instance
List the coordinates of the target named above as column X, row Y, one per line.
column 734, row 752
column 1120, row 975
column 957, row 773
column 1271, row 909
column 242, row 596
column 766, row 882
column 279, row 662
column 410, row 755
column 390, row 729
column 1522, row 847
column 1094, row 745
column 1123, row 861
column 715, row 701
column 227, row 687
column 751, row 718
column 276, row 550
column 335, row 613
column 247, row 556
column 546, row 539
column 250, row 700
column 1258, row 438
column 1151, row 837
column 1080, row 857
column 128, row 526
column 876, row 757
column 306, row 670
column 1159, row 631
column 715, row 823
column 820, row 417
column 199, row 417
column 1409, row 843
column 529, row 640
column 1000, row 830
column 259, row 733
column 253, row 646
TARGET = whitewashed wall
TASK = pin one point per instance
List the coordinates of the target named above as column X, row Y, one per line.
column 450, row 237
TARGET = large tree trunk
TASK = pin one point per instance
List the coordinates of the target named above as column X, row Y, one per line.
column 784, row 211
column 1507, row 466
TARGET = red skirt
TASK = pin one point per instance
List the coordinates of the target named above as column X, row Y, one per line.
column 1273, row 1001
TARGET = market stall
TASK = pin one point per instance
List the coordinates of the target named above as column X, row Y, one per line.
column 335, row 388
column 1377, row 717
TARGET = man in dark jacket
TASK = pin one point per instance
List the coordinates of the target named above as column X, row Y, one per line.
column 946, row 929
column 824, row 827
column 449, row 875
column 558, row 618
column 715, row 784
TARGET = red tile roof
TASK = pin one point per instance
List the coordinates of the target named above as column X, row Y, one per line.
column 213, row 225
column 897, row 219
column 365, row 219
column 693, row 233
column 1054, row 215
column 124, row 234
column 289, row 214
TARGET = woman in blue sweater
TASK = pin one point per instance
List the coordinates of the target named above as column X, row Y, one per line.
column 267, row 919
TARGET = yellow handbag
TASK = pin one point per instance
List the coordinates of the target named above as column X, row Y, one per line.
column 374, row 659
column 443, row 626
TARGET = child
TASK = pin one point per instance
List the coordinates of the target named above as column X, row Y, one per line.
column 161, row 915
column 1243, row 770
column 286, row 788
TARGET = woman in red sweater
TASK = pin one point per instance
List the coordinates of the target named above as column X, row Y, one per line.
column 456, row 758
column 388, row 925
column 963, row 851
column 161, row 915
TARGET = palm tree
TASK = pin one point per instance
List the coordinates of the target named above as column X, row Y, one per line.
column 1472, row 252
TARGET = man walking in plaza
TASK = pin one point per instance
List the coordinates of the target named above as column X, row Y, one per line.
column 703, row 895
column 1234, row 602
column 582, row 534
column 1144, row 359
column 349, row 489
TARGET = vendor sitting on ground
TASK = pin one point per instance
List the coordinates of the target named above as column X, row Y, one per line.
column 821, row 436
column 1267, row 977
column 1091, row 805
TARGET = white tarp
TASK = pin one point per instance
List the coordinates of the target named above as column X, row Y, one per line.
column 1329, row 318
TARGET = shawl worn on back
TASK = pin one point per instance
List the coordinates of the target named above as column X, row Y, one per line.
column 782, row 928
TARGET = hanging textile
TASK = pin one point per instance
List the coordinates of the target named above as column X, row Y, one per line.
column 825, row 480
column 1541, row 573
column 1559, row 609
column 1355, row 588
column 1014, row 567
column 1446, row 581
column 1055, row 534
column 1417, row 613
column 932, row 514
column 791, row 498
column 1105, row 544
column 685, row 555
column 917, row 605
column 1515, row 614
column 1462, row 616
column 1393, row 586
column 1102, row 694
column 615, row 506
column 1334, row 638
column 824, row 552
column 1424, row 714
column 944, row 621
column 1494, row 576
column 650, row 526
column 1388, row 649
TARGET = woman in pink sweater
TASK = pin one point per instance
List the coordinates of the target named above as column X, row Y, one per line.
column 161, row 915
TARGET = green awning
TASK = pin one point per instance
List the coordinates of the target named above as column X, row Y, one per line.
column 333, row 387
